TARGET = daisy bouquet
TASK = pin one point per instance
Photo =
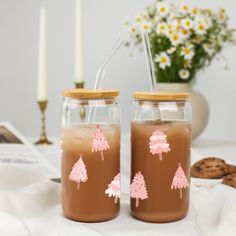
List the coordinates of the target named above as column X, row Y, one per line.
column 184, row 39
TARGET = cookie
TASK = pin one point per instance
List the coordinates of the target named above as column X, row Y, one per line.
column 230, row 180
column 231, row 169
column 209, row 168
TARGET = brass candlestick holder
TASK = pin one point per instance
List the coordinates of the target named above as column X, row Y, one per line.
column 80, row 85
column 43, row 140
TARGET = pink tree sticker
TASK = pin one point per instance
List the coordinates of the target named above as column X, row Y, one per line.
column 113, row 189
column 99, row 142
column 180, row 180
column 79, row 173
column 138, row 188
column 158, row 143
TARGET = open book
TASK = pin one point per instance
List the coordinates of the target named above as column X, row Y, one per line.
column 15, row 149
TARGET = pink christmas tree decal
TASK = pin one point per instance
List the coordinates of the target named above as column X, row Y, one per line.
column 179, row 181
column 138, row 188
column 99, row 142
column 79, row 173
column 113, row 189
column 158, row 143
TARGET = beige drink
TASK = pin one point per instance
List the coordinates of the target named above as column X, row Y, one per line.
column 90, row 172
column 160, row 171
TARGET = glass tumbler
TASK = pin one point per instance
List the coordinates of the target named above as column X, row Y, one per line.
column 160, row 156
column 90, row 155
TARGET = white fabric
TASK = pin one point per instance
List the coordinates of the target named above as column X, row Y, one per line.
column 30, row 205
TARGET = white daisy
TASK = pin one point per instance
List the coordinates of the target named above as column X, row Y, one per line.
column 194, row 11
column 204, row 20
column 169, row 32
column 145, row 15
column 126, row 22
column 200, row 28
column 133, row 29
column 185, row 9
column 171, row 50
column 138, row 19
column 162, row 9
column 146, row 26
column 184, row 34
column 175, row 38
column 162, row 28
column 169, row 26
column 163, row 59
column 208, row 12
column 184, row 74
column 188, row 52
column 187, row 23
column 222, row 10
column 175, row 24
column 221, row 16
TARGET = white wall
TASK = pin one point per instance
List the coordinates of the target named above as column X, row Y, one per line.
column 102, row 27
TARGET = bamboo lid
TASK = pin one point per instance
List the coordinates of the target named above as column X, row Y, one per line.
column 90, row 94
column 161, row 96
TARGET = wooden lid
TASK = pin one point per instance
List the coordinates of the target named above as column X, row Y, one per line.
column 90, row 94
column 161, row 96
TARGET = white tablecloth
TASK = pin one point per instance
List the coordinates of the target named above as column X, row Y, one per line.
column 30, row 205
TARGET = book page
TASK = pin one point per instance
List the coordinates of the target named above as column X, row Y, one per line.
column 15, row 149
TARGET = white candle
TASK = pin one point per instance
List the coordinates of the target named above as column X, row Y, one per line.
column 42, row 58
column 79, row 65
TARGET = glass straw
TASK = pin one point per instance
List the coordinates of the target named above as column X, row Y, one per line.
column 101, row 73
column 150, row 66
column 149, row 61
column 154, row 79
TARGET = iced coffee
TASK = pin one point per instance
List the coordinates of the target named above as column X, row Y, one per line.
column 90, row 167
column 160, row 151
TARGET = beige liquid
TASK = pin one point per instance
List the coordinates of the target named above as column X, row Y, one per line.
column 163, row 203
column 89, row 203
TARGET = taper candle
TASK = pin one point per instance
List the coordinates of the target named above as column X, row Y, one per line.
column 42, row 58
column 79, row 65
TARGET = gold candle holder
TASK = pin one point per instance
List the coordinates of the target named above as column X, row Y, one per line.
column 80, row 85
column 43, row 140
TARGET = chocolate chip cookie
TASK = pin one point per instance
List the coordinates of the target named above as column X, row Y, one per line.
column 230, row 180
column 209, row 168
column 231, row 169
